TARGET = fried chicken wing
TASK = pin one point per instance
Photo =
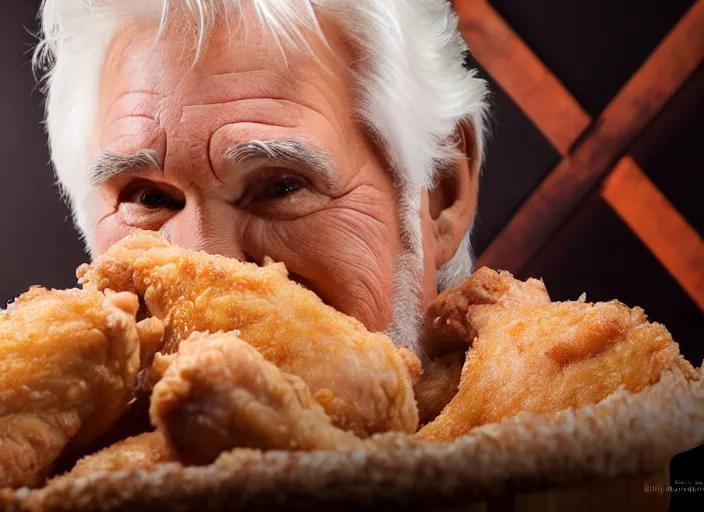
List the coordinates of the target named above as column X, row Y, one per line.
column 68, row 361
column 531, row 356
column 362, row 381
column 219, row 393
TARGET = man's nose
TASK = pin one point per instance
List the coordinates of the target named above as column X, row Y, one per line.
column 210, row 227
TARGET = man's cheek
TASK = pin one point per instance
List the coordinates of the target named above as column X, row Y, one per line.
column 345, row 257
column 334, row 238
column 109, row 230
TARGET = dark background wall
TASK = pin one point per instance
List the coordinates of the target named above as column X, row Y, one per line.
column 38, row 243
column 592, row 47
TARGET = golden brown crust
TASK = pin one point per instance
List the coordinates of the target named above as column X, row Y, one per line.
column 357, row 376
column 451, row 318
column 530, row 357
column 219, row 393
column 144, row 451
column 68, row 361
column 623, row 434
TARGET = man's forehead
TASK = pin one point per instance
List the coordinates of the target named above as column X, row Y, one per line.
column 141, row 67
column 155, row 95
column 152, row 58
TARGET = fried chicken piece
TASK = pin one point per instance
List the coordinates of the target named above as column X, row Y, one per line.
column 363, row 382
column 68, row 361
column 144, row 451
column 219, row 393
column 447, row 331
column 542, row 358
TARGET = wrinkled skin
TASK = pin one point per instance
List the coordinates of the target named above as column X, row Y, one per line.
column 337, row 232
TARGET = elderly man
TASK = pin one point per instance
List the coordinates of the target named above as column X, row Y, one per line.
column 344, row 139
column 341, row 138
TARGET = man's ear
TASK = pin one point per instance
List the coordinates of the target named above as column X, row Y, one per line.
column 453, row 201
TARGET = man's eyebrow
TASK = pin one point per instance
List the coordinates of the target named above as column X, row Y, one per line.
column 286, row 152
column 109, row 164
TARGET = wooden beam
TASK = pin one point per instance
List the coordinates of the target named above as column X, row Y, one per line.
column 518, row 71
column 667, row 68
column 658, row 224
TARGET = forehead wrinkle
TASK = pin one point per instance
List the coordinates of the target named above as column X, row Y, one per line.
column 133, row 102
column 109, row 164
column 248, row 111
column 208, row 144
column 235, row 86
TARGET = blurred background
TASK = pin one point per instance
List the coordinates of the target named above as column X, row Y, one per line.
column 593, row 179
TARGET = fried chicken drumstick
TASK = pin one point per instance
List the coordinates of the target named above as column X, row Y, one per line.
column 530, row 355
column 68, row 362
column 219, row 393
column 362, row 381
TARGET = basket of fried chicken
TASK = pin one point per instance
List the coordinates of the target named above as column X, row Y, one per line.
column 178, row 380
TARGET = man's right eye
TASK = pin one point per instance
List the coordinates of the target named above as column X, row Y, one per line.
column 152, row 197
column 155, row 198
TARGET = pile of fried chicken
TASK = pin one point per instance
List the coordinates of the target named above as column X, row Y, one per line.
column 234, row 356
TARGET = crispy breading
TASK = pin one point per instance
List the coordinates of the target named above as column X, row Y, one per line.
column 359, row 377
column 68, row 361
column 542, row 358
column 449, row 324
column 219, row 393
column 143, row 451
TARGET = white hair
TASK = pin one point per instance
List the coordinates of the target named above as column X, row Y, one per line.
column 411, row 88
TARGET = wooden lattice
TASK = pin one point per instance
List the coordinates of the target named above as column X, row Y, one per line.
column 590, row 147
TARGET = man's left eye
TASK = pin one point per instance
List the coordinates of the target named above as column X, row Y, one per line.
column 279, row 189
column 281, row 196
